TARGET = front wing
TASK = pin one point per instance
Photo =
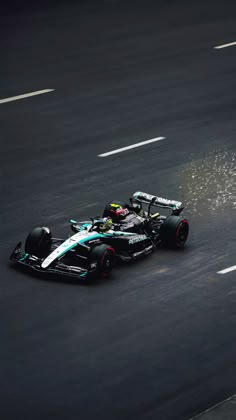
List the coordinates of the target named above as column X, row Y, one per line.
column 33, row 263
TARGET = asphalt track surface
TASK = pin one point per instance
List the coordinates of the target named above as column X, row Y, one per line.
column 158, row 340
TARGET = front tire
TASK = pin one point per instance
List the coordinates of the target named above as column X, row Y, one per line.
column 104, row 257
column 38, row 242
column 174, row 231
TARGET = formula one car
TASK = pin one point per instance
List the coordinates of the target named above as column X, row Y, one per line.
column 125, row 232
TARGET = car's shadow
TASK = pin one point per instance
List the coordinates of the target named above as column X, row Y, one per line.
column 61, row 278
column 121, row 270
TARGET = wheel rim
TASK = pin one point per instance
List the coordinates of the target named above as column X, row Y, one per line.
column 107, row 262
column 182, row 233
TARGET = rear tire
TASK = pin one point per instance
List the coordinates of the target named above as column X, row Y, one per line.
column 104, row 256
column 174, row 231
column 38, row 242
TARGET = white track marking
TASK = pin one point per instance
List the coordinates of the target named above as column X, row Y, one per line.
column 227, row 270
column 132, row 146
column 26, row 95
column 219, row 47
column 227, row 400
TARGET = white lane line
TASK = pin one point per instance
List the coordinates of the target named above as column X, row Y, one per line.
column 132, row 146
column 219, row 47
column 209, row 410
column 26, row 95
column 227, row 270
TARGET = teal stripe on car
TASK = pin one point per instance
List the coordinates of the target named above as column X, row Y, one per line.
column 89, row 238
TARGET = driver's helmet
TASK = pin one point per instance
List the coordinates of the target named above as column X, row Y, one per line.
column 104, row 224
column 116, row 210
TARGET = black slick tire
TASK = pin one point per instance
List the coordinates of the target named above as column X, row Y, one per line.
column 38, row 242
column 174, row 231
column 104, row 257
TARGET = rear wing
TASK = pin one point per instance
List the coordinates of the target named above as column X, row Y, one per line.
column 152, row 200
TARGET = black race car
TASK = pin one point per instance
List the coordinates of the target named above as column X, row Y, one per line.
column 125, row 232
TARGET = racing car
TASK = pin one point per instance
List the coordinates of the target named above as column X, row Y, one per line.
column 125, row 232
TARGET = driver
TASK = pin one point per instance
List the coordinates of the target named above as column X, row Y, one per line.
column 124, row 217
column 104, row 224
